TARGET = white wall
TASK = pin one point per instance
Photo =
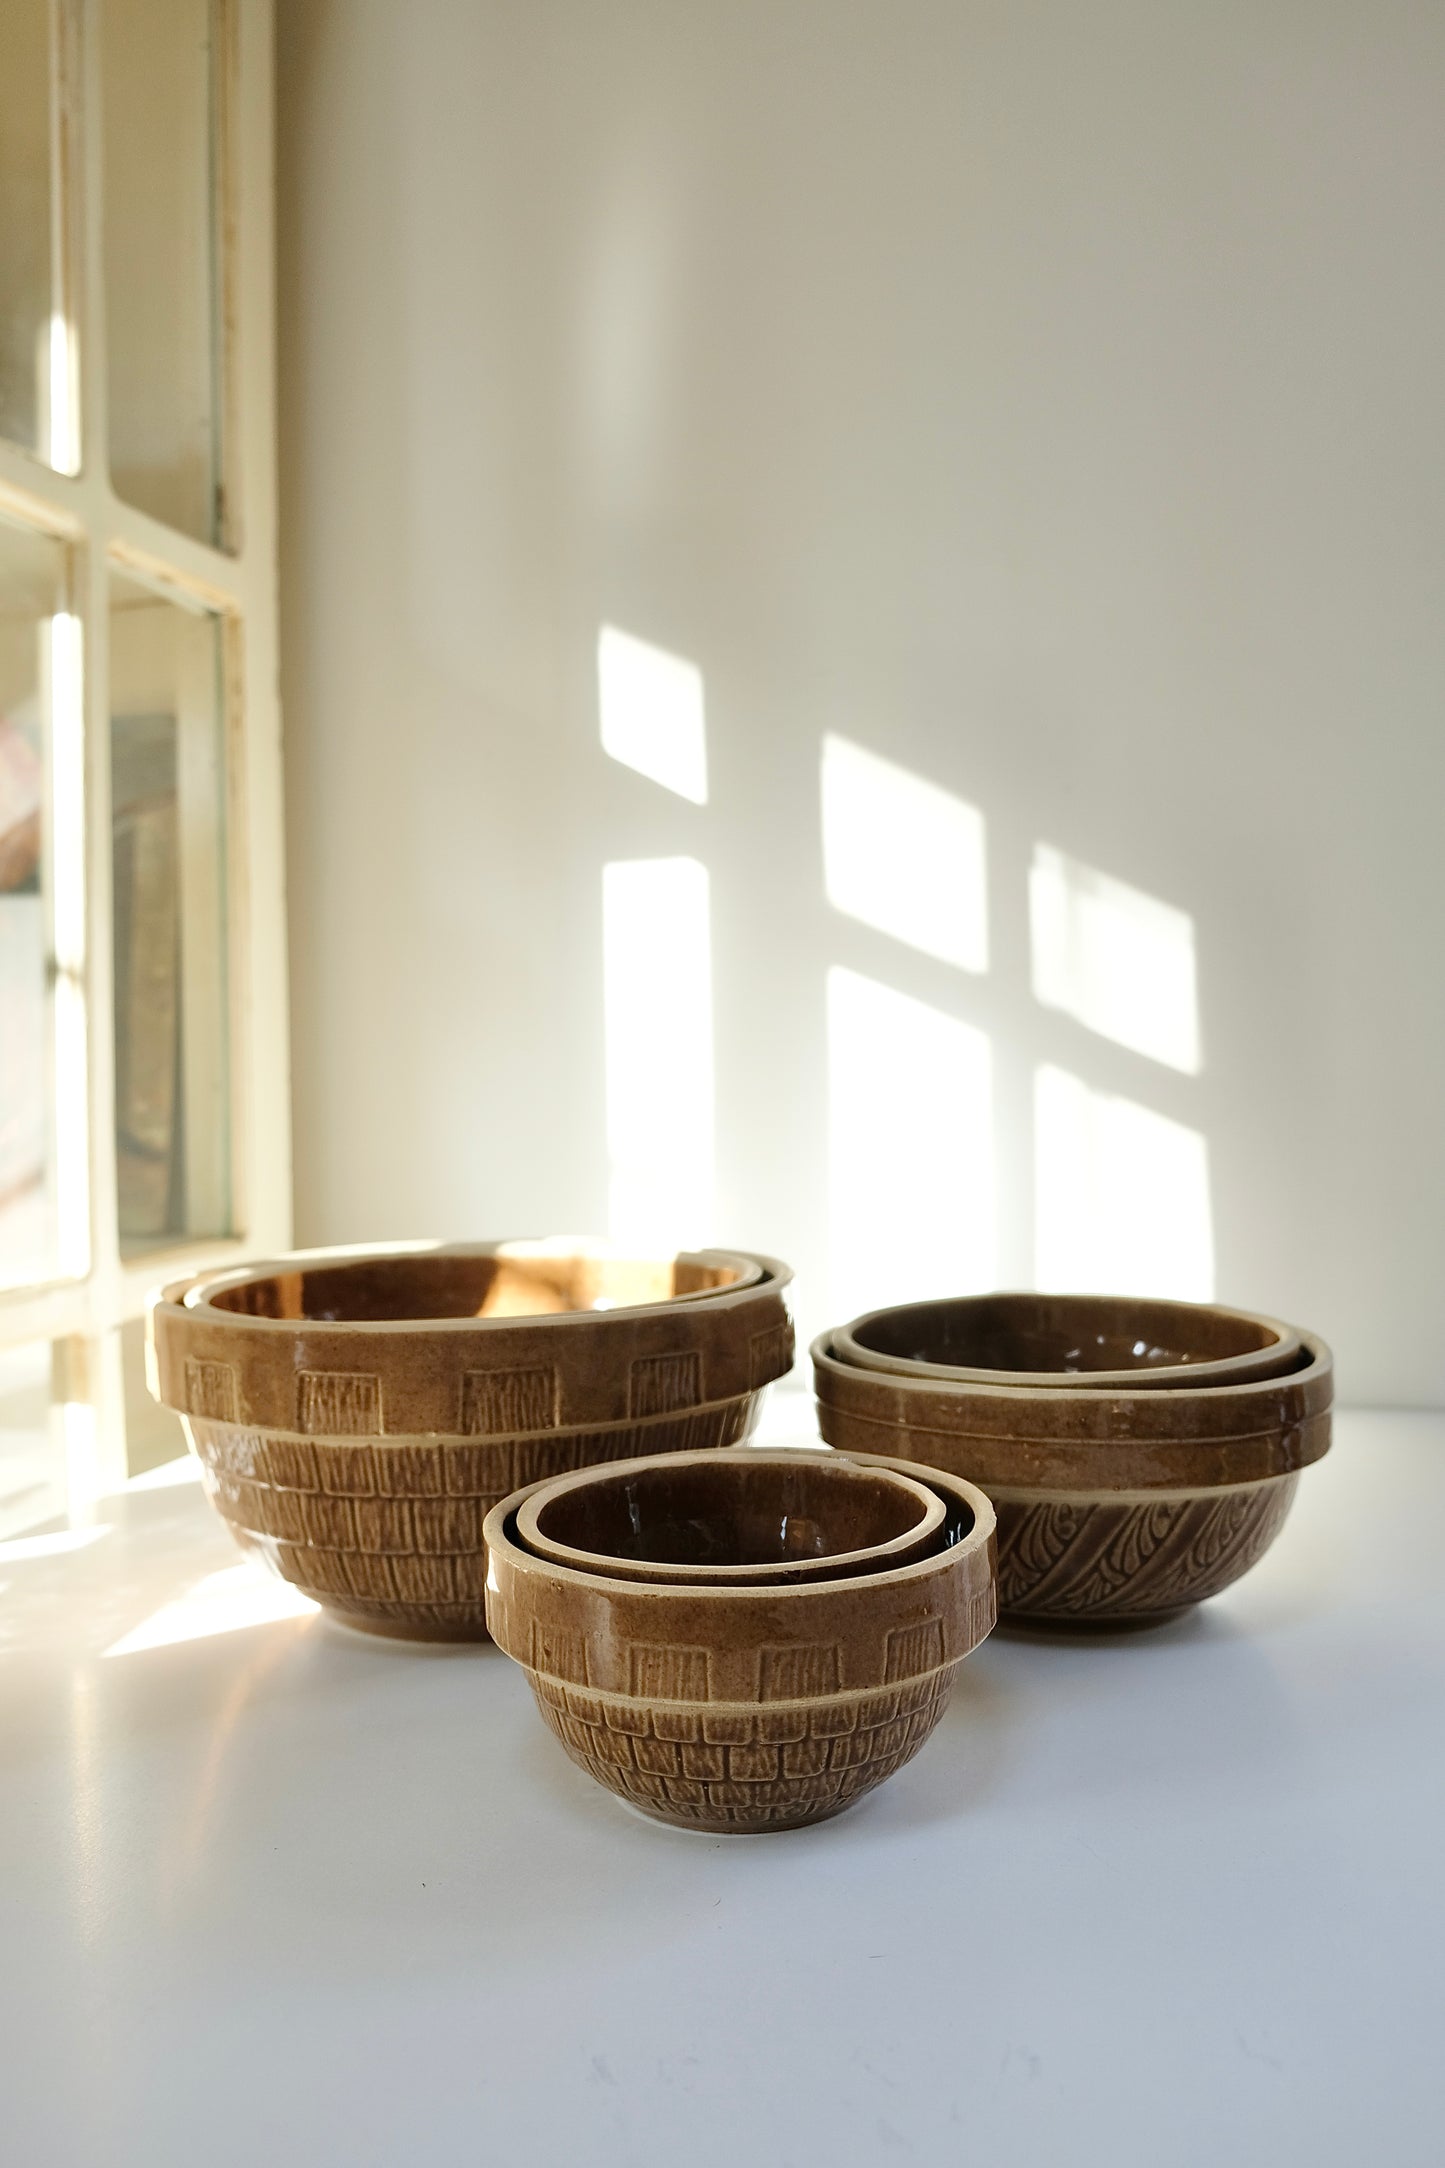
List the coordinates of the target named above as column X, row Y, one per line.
column 1043, row 396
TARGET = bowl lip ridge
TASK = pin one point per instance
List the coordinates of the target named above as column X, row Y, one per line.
column 1235, row 1392
column 174, row 1298
column 1221, row 1370
column 702, row 1576
column 496, row 1538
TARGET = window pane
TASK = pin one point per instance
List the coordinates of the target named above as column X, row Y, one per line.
column 40, row 1221
column 32, row 1465
column 25, row 261
column 160, row 285
column 168, row 809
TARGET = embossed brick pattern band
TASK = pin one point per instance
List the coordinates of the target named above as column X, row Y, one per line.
column 388, row 1532
column 738, row 1767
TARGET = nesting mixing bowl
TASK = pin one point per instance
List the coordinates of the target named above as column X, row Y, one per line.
column 778, row 1518
column 737, row 1707
column 356, row 1413
column 1094, row 1341
column 1119, row 1503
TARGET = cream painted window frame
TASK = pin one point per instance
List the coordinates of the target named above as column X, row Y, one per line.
column 238, row 582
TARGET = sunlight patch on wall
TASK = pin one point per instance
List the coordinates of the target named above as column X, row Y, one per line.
column 904, row 855
column 1118, row 961
column 1121, row 1196
column 910, row 1148
column 651, row 708
column 657, row 993
column 237, row 1596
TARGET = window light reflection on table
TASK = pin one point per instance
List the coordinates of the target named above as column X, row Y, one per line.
column 222, row 1603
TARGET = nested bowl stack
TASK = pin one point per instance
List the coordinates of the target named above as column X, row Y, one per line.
column 357, row 1413
column 1122, row 1498
column 731, row 1705
column 782, row 1519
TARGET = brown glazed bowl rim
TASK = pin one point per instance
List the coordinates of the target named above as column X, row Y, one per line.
column 499, row 1534
column 893, row 1550
column 196, row 1294
column 1280, row 1344
column 409, row 1376
column 1175, row 1423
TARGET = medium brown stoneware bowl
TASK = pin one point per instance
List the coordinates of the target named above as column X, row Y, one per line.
column 1096, row 1342
column 1114, row 1509
column 746, row 1709
column 783, row 1518
column 359, row 1454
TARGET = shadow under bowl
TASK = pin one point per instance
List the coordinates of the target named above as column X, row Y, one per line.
column 781, row 1518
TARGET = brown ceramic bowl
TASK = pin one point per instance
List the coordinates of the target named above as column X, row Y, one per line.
column 1096, row 1342
column 380, row 1343
column 1114, row 1509
column 692, row 1521
column 745, row 1709
column 360, row 1455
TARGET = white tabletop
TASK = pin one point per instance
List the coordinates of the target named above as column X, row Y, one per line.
column 276, row 1893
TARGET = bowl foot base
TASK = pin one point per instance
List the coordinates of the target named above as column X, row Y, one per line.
column 738, row 1829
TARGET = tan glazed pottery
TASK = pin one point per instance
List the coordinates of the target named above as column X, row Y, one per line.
column 355, row 1417
column 788, row 1517
column 280, row 1342
column 745, row 1708
column 1114, row 1507
column 1096, row 1341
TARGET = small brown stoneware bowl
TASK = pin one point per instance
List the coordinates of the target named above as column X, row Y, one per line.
column 746, row 1709
column 1099, row 1342
column 778, row 1520
column 1114, row 1509
column 359, row 1455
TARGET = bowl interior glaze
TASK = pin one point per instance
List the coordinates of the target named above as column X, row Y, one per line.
column 777, row 1513
column 1063, row 1335
column 513, row 1282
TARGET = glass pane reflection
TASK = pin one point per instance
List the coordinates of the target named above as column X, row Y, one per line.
column 168, row 855
column 35, row 852
column 159, row 80
column 26, row 299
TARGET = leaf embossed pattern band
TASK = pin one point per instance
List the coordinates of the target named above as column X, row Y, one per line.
column 1118, row 1503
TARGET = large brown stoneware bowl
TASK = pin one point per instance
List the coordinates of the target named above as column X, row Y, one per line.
column 746, row 1709
column 406, row 1340
column 1114, row 1509
column 783, row 1518
column 1100, row 1342
column 359, row 1454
